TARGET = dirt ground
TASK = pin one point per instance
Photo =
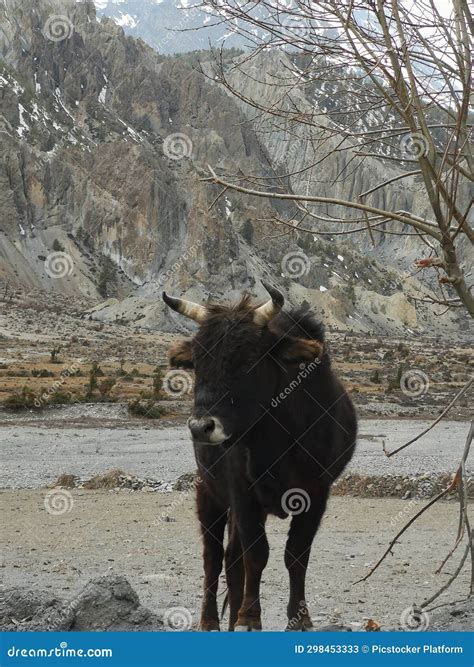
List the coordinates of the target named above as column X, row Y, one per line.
column 153, row 540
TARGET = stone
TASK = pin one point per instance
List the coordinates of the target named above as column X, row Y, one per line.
column 105, row 603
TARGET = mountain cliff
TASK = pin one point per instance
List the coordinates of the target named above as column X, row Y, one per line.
column 103, row 146
column 169, row 26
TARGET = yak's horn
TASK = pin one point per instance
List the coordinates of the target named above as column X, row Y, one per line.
column 272, row 307
column 187, row 308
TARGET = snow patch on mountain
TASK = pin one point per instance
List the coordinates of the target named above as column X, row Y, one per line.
column 126, row 20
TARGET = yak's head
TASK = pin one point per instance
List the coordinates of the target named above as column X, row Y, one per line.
column 238, row 355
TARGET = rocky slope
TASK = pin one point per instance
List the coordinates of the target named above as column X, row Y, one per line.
column 103, row 146
column 169, row 26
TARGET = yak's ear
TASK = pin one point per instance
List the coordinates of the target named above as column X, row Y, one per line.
column 180, row 354
column 297, row 350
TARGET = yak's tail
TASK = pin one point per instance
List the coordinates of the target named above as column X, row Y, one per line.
column 225, row 604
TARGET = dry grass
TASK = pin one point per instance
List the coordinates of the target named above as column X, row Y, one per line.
column 356, row 358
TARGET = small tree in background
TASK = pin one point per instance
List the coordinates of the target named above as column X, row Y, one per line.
column 92, row 385
column 247, row 231
column 106, row 386
column 54, row 354
column 157, row 382
column 107, row 278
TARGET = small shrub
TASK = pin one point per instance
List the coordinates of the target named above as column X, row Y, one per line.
column 121, row 372
column 394, row 383
column 92, row 385
column 17, row 374
column 375, row 377
column 247, row 231
column 57, row 246
column 403, row 349
column 42, row 373
column 20, row 400
column 107, row 278
column 59, row 397
column 106, row 385
column 157, row 382
column 54, row 354
column 80, row 234
column 144, row 408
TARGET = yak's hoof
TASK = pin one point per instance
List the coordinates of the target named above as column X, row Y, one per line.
column 301, row 625
column 209, row 626
column 248, row 624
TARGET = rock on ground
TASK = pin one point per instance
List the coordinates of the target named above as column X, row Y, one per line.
column 106, row 603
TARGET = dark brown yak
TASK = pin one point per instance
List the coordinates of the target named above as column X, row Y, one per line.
column 272, row 428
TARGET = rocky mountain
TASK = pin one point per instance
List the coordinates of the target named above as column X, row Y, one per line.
column 181, row 26
column 169, row 26
column 103, row 147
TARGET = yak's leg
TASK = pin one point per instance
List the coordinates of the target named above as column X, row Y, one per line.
column 300, row 537
column 212, row 519
column 251, row 526
column 234, row 567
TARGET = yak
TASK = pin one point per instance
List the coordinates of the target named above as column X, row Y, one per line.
column 272, row 428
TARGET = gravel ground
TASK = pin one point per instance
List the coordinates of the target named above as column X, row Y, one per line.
column 166, row 453
column 152, row 539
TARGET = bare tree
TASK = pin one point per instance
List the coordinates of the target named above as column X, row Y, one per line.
column 389, row 80
column 392, row 81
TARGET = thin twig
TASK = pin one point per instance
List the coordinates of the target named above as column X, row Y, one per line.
column 443, row 493
column 433, row 424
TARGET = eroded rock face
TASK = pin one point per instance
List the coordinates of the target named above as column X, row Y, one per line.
column 106, row 603
column 92, row 126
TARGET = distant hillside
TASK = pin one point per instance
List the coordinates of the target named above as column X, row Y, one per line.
column 104, row 143
column 170, row 26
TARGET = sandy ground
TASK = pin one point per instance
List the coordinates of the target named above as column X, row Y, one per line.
column 165, row 454
column 153, row 540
